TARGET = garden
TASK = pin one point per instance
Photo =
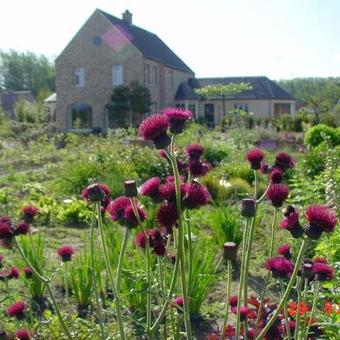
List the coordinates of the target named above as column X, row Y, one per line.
column 171, row 231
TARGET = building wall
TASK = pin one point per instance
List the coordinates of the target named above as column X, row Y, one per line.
column 260, row 107
column 98, row 63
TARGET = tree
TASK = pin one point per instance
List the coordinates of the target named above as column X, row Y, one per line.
column 119, row 106
column 126, row 101
column 320, row 95
column 223, row 90
column 26, row 71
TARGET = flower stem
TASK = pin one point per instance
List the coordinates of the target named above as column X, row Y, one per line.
column 285, row 312
column 94, row 281
column 315, row 298
column 287, row 291
column 66, row 282
column 271, row 253
column 227, row 300
column 297, row 321
column 181, row 248
column 241, row 283
column 56, row 308
column 109, row 272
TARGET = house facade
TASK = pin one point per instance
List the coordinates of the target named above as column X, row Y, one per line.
column 108, row 51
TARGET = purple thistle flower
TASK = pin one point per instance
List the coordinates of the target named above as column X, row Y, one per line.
column 177, row 118
column 280, row 267
column 276, row 176
column 22, row 228
column 198, row 168
column 323, row 272
column 154, row 128
column 194, row 151
column 178, row 301
column 167, row 215
column 65, row 253
column 28, row 272
column 248, row 208
column 14, row 273
column 6, row 231
column 319, row 259
column 117, row 207
column 130, row 218
column 17, row 309
column 255, row 157
column 284, row 250
column 284, row 161
column 96, row 192
column 151, row 188
column 29, row 211
column 277, row 193
column 168, row 191
column 320, row 219
column 23, row 334
column 233, row 300
column 1, row 259
column 291, row 222
column 195, row 195
column 140, row 240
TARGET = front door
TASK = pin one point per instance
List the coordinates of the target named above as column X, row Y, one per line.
column 209, row 114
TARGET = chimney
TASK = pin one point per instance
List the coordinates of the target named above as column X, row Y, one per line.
column 127, row 17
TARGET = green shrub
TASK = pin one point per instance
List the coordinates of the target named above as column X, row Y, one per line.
column 204, row 272
column 226, row 225
column 75, row 213
column 239, row 169
column 314, row 136
column 218, row 191
column 215, row 154
column 315, row 160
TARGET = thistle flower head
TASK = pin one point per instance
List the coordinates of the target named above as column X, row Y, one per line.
column 22, row 228
column 177, row 118
column 276, row 175
column 248, row 207
column 195, row 195
column 141, row 239
column 130, row 218
column 230, row 251
column 168, row 191
column 65, row 253
column 6, row 231
column 255, row 157
column 154, row 128
column 233, row 300
column 28, row 272
column 198, row 168
column 320, row 219
column 284, row 161
column 17, row 309
column 158, row 247
column 1, row 259
column 167, row 215
column 194, row 151
column 284, row 250
column 323, row 272
column 265, row 168
column 150, row 188
column 320, row 260
column 29, row 211
column 130, row 188
column 96, row 192
column 23, row 334
column 117, row 207
column 178, row 301
column 14, row 273
column 5, row 220
column 277, row 193
column 291, row 222
column 244, row 312
column 280, row 267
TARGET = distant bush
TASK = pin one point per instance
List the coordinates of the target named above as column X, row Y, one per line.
column 215, row 154
column 241, row 170
column 314, row 136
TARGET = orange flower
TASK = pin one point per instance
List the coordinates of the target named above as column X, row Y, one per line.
column 294, row 307
column 329, row 308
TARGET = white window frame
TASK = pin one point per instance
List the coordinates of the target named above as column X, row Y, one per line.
column 79, row 77
column 147, row 80
column 117, row 74
column 170, row 79
column 244, row 107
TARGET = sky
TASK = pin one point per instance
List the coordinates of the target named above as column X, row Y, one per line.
column 279, row 39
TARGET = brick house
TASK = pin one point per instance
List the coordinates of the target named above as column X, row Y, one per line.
column 108, row 51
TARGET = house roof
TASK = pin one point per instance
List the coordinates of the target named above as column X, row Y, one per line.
column 261, row 87
column 149, row 44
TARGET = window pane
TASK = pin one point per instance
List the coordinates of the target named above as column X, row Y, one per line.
column 117, row 75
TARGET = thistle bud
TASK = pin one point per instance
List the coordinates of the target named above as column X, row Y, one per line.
column 230, row 251
column 130, row 188
column 248, row 208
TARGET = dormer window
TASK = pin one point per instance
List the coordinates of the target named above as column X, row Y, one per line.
column 117, row 75
column 79, row 77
